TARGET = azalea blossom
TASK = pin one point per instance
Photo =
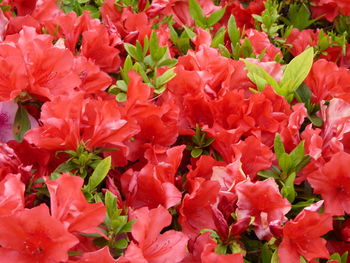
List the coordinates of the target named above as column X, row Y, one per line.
column 33, row 235
column 302, row 237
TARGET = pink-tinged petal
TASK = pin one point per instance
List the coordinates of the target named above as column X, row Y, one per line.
column 287, row 252
column 3, row 25
column 133, row 254
column 7, row 117
column 149, row 223
column 169, row 247
column 11, row 195
column 203, row 38
column 101, row 256
column 151, row 245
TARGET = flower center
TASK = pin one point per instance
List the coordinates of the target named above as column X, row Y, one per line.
column 33, row 248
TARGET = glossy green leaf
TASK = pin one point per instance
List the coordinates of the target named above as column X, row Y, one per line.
column 196, row 152
column 297, row 70
column 165, row 77
column 216, row 16
column 132, row 51
column 197, row 14
column 278, row 146
column 219, row 38
column 233, row 31
column 99, row 173
column 259, row 76
column 285, row 162
column 111, row 203
column 297, row 154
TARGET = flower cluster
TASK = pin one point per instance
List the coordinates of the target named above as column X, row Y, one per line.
column 171, row 131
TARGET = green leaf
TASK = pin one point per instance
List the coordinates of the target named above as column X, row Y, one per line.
column 297, row 70
column 233, row 31
column 66, row 167
column 121, row 84
column 121, row 97
column 121, row 243
column 268, row 174
column 288, row 190
column 212, row 232
column 139, row 50
column 21, row 123
column 132, row 51
column 5, row 8
column 266, row 254
column 303, row 204
column 111, row 203
column 303, row 94
column 344, row 257
column 219, row 38
column 139, row 69
column 99, row 173
column 196, row 152
column 278, row 146
column 216, row 16
column 259, row 76
column 297, row 154
column 221, row 249
column 285, row 162
column 145, row 45
column 55, row 175
column 165, row 77
column 316, row 121
column 170, row 62
column 153, row 45
column 189, row 32
column 127, row 64
column 274, row 258
column 127, row 227
column 299, row 16
column 197, row 14
column 224, row 51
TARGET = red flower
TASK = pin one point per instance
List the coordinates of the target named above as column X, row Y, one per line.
column 101, row 256
column 154, row 184
column 330, row 8
column 326, row 80
column 195, row 210
column 332, row 181
column 69, row 120
column 33, row 236
column 11, row 163
column 254, row 156
column 203, row 251
column 300, row 40
column 96, row 46
column 24, row 7
column 11, row 195
column 263, row 201
column 261, row 43
column 68, row 205
column 302, row 237
column 151, row 246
